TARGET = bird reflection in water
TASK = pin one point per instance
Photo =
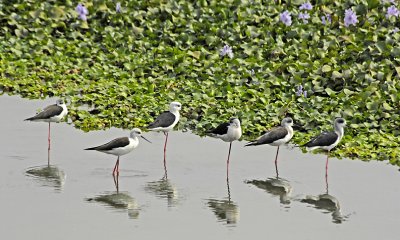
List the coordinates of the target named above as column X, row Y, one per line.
column 276, row 186
column 120, row 201
column 48, row 175
column 326, row 202
column 225, row 210
column 164, row 189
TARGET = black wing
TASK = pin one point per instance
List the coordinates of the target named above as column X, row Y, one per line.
column 324, row 139
column 270, row 137
column 116, row 143
column 220, row 130
column 48, row 112
column 165, row 119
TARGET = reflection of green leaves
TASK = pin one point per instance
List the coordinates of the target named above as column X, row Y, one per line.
column 122, row 69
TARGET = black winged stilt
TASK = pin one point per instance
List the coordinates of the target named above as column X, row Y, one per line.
column 228, row 132
column 276, row 137
column 120, row 146
column 165, row 122
column 52, row 113
column 328, row 140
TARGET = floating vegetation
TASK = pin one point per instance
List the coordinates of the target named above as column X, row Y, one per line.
column 126, row 61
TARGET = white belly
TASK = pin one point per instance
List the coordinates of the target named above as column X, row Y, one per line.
column 133, row 143
column 233, row 134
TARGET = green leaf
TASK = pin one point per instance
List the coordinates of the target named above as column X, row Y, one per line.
column 326, row 68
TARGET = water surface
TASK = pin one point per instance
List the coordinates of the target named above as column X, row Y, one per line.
column 76, row 197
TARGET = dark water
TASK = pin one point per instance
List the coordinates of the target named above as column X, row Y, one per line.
column 76, row 197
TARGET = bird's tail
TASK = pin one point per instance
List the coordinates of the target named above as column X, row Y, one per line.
column 251, row 144
column 92, row 148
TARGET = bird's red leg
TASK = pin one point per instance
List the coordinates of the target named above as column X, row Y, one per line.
column 116, row 183
column 326, row 172
column 116, row 167
column 165, row 148
column 48, row 138
column 276, row 161
column 227, row 161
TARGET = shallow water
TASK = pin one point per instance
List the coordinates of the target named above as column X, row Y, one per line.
column 76, row 197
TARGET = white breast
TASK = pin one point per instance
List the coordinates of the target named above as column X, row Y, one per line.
column 133, row 143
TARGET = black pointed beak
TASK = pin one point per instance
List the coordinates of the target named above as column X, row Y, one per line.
column 145, row 139
column 299, row 128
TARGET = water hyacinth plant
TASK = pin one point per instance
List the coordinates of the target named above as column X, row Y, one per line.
column 350, row 18
column 326, row 19
column 226, row 51
column 118, row 7
column 82, row 11
column 125, row 68
column 286, row 18
column 306, row 6
column 304, row 17
column 392, row 11
column 301, row 92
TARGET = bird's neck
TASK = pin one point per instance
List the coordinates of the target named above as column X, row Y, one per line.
column 339, row 131
column 175, row 112
column 134, row 138
column 63, row 105
column 290, row 130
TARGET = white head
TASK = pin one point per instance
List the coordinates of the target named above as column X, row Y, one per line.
column 136, row 132
column 287, row 122
column 175, row 106
column 59, row 102
column 339, row 123
column 234, row 122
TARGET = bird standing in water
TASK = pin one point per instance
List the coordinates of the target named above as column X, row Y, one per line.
column 328, row 140
column 120, row 146
column 52, row 113
column 276, row 137
column 165, row 122
column 227, row 132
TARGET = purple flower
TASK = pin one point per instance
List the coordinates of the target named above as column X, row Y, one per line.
column 226, row 50
column 82, row 11
column 118, row 7
column 286, row 18
column 350, row 18
column 392, row 11
column 300, row 91
column 395, row 30
column 306, row 6
column 326, row 19
column 304, row 16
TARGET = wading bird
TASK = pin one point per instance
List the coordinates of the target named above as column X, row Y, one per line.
column 227, row 132
column 328, row 140
column 120, row 146
column 166, row 121
column 276, row 137
column 52, row 113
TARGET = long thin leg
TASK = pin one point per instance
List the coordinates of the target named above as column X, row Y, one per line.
column 229, row 190
column 165, row 170
column 48, row 157
column 276, row 162
column 116, row 167
column 326, row 172
column 276, row 156
column 48, row 137
column 165, row 147
column 116, row 182
column 227, row 161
